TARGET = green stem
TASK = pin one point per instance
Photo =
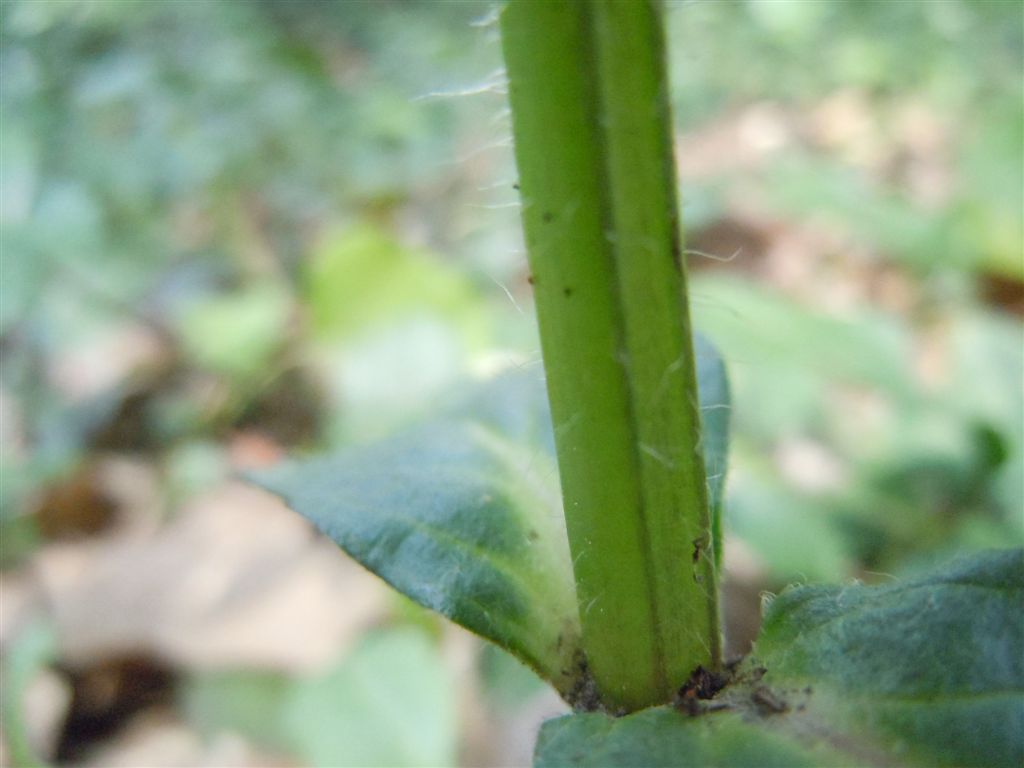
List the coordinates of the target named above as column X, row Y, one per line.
column 593, row 144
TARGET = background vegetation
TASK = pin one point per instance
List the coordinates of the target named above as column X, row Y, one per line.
column 232, row 231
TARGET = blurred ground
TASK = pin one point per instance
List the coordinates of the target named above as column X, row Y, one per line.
column 237, row 231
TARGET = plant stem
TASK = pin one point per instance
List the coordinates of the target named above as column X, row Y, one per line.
column 592, row 131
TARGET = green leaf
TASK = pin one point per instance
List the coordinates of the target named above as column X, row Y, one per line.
column 469, row 546
column 389, row 703
column 33, row 650
column 664, row 737
column 463, row 515
column 460, row 520
column 929, row 671
column 515, row 404
column 236, row 334
column 715, row 408
column 248, row 702
column 507, row 684
column 768, row 332
column 361, row 277
column 786, row 529
column 715, row 416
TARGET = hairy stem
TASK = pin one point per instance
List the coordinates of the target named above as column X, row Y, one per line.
column 592, row 132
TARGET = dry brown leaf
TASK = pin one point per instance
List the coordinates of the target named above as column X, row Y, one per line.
column 235, row 580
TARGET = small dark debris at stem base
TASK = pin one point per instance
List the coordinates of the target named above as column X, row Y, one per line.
column 698, row 545
column 767, row 703
column 531, row 279
column 584, row 697
column 702, row 685
column 516, row 185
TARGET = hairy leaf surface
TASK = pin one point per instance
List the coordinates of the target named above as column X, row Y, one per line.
column 923, row 672
column 463, row 515
column 457, row 518
column 931, row 667
column 665, row 738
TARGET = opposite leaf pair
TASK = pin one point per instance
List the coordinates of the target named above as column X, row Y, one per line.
column 463, row 517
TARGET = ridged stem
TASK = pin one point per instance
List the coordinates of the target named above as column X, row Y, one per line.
column 592, row 130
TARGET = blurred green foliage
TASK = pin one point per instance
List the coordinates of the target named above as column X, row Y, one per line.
column 307, row 209
column 962, row 59
column 172, row 164
column 387, row 702
column 32, row 651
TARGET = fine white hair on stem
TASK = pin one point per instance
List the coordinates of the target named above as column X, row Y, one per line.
column 495, row 206
column 659, row 457
column 496, row 83
column 508, row 293
column 488, row 19
column 502, row 143
column 501, row 117
column 502, row 184
column 568, row 424
column 531, row 360
column 712, row 256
